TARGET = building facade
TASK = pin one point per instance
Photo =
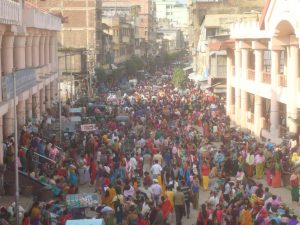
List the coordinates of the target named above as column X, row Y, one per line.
column 28, row 40
column 80, row 40
column 263, row 75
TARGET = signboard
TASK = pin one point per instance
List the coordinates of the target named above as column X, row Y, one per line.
column 88, row 127
column 82, row 200
column 86, row 222
column 75, row 119
column 75, row 110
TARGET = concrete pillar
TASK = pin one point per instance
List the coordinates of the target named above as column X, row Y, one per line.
column 274, row 114
column 292, row 85
column 257, row 115
column 259, row 57
column 7, row 59
column 19, row 52
column 28, row 51
column 36, row 106
column 21, row 113
column 42, row 100
column 54, row 91
column 47, row 49
column 29, row 108
column 48, row 97
column 42, row 51
column 229, row 78
column 237, row 90
column 8, row 123
column 1, row 140
column 35, row 50
column 244, row 73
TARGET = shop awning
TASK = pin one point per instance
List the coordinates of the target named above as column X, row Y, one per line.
column 188, row 68
column 220, row 53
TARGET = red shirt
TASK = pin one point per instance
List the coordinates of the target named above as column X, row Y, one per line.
column 205, row 170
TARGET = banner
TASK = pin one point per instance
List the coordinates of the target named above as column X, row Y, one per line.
column 88, row 127
column 82, row 200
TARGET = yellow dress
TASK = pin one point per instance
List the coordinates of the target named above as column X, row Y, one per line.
column 170, row 197
column 160, row 182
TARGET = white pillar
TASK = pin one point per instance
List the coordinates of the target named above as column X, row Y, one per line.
column 21, row 113
column 42, row 100
column 228, row 86
column 19, row 52
column 35, row 50
column 29, row 108
column 292, row 84
column 237, row 89
column 245, row 62
column 28, row 51
column 257, row 115
column 274, row 114
column 259, row 57
column 36, row 106
column 42, row 51
column 48, row 97
column 8, row 123
column 7, row 59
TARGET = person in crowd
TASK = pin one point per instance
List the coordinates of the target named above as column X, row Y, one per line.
column 179, row 203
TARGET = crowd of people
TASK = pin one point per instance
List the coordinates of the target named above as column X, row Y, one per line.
column 149, row 168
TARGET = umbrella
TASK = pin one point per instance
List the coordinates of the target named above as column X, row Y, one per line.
column 106, row 209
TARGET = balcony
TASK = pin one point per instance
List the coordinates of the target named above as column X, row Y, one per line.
column 251, row 74
column 25, row 79
column 125, row 39
column 36, row 18
column 282, row 80
column 10, row 12
column 283, row 131
column 266, row 78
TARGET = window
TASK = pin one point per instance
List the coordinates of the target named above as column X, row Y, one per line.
column 210, row 32
column 267, row 61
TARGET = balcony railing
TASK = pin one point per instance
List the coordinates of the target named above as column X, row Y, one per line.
column 282, row 80
column 266, row 78
column 36, row 18
column 25, row 79
column 251, row 74
column 10, row 12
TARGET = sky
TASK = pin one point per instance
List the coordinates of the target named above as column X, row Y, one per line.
column 182, row 1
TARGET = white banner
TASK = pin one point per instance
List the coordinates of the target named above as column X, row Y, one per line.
column 88, row 127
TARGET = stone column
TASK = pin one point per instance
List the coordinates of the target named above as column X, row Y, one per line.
column 19, row 52
column 42, row 100
column 259, row 57
column 42, row 51
column 21, row 113
column 292, row 85
column 8, row 123
column 229, row 88
column 36, row 106
column 48, row 97
column 29, row 108
column 257, row 115
column 54, row 90
column 47, row 49
column 28, row 51
column 35, row 50
column 244, row 73
column 274, row 114
column 7, row 53
column 237, row 90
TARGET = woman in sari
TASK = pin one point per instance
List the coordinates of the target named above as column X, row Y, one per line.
column 259, row 165
column 205, row 175
column 294, row 180
column 249, row 164
column 276, row 175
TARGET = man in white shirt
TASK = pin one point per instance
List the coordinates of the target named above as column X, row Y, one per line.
column 156, row 192
column 156, row 169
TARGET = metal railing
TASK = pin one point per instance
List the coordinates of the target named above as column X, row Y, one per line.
column 283, row 130
column 10, row 12
column 251, row 74
column 282, row 80
column 266, row 78
column 25, row 79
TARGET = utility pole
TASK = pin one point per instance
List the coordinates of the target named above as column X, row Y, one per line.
column 16, row 152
